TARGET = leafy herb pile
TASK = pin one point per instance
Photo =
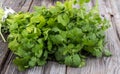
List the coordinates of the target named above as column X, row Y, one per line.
column 61, row 33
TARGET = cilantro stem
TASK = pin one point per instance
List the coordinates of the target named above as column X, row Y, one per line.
column 2, row 34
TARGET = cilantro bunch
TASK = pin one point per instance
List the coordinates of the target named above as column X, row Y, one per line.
column 60, row 33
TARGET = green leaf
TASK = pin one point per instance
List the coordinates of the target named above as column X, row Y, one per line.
column 63, row 19
column 83, row 1
column 1, row 13
column 37, row 50
column 30, row 28
column 87, row 0
column 42, row 21
column 68, row 5
column 45, row 33
column 35, row 19
column 13, row 45
column 82, row 63
column 107, row 53
column 32, row 62
column 76, row 60
column 68, row 60
column 21, row 62
column 22, row 53
column 49, row 45
column 45, row 55
column 51, row 22
column 41, row 62
column 57, row 39
column 97, row 52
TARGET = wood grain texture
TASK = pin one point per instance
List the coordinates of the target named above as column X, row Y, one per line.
column 109, row 9
column 3, row 47
column 9, row 67
column 111, row 63
column 55, row 68
column 18, row 5
column 26, row 6
column 8, row 61
column 116, row 16
column 2, row 1
column 93, row 65
column 118, row 4
column 105, row 65
column 3, row 53
column 46, row 3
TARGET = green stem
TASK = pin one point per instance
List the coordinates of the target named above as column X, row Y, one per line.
column 2, row 34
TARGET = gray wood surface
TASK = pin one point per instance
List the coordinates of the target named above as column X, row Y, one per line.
column 105, row 65
column 3, row 53
column 20, row 5
column 54, row 68
column 46, row 3
column 109, row 9
column 3, row 48
column 9, row 67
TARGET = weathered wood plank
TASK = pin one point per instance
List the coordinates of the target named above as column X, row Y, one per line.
column 117, row 2
column 109, row 65
column 2, row 1
column 10, row 68
column 93, row 65
column 54, row 1
column 46, row 3
column 114, row 63
column 18, row 5
column 3, row 47
column 10, row 55
column 55, row 68
column 26, row 6
column 3, row 53
column 36, row 70
column 115, row 17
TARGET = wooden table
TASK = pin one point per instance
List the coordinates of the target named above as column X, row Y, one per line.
column 109, row 9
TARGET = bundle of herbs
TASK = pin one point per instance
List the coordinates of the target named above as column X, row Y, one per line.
column 61, row 33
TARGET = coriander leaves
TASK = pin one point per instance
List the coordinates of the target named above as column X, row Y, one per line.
column 61, row 33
